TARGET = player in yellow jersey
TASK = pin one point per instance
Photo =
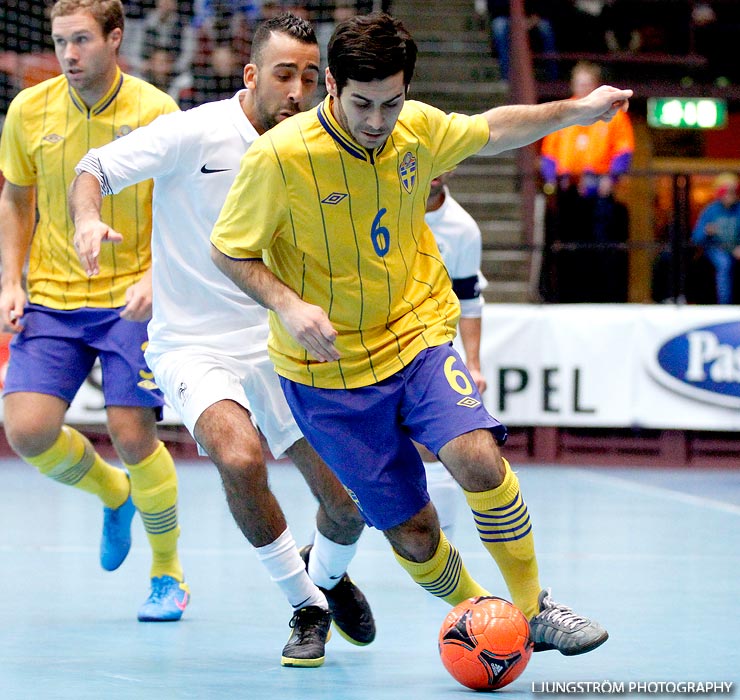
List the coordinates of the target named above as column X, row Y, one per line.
column 324, row 226
column 67, row 320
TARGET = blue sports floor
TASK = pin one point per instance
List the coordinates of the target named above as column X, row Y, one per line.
column 654, row 554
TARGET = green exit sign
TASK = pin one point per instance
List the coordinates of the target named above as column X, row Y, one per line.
column 687, row 113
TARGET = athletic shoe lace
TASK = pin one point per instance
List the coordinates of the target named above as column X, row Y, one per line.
column 561, row 615
column 159, row 591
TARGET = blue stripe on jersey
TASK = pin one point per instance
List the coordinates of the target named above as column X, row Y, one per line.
column 111, row 97
column 339, row 138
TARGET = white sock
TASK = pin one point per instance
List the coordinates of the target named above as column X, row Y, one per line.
column 286, row 568
column 444, row 492
column 329, row 560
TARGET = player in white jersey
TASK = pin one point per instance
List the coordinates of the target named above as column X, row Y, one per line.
column 208, row 341
column 458, row 238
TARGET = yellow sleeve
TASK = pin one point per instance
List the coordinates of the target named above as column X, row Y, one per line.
column 454, row 137
column 245, row 227
column 16, row 164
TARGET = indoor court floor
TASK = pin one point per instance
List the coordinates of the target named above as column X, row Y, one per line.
column 653, row 554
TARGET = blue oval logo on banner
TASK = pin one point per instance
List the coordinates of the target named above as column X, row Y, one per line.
column 705, row 362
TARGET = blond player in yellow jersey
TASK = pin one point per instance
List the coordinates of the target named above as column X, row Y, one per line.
column 324, row 226
column 66, row 320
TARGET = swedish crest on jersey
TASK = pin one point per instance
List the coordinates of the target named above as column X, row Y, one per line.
column 407, row 171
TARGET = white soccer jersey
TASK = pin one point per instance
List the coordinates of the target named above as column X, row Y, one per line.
column 459, row 241
column 193, row 157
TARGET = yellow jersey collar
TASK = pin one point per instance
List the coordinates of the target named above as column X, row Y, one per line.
column 343, row 139
column 104, row 102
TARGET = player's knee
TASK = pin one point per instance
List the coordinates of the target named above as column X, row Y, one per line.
column 416, row 539
column 29, row 437
column 241, row 466
column 133, row 433
column 347, row 517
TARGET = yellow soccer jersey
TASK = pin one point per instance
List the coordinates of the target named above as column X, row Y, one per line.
column 47, row 130
column 344, row 227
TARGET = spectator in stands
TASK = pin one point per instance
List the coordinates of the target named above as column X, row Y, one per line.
column 716, row 27
column 221, row 22
column 210, row 12
column 686, row 278
column 538, row 13
column 130, row 54
column 167, row 28
column 596, row 26
column 580, row 166
column 24, row 27
column 717, row 233
column 221, row 78
column 327, row 16
column 161, row 72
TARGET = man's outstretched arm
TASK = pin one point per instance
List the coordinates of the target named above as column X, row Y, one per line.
column 513, row 126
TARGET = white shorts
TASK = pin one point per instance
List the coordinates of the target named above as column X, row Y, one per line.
column 192, row 379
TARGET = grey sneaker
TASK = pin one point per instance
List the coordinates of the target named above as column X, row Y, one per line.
column 307, row 641
column 556, row 626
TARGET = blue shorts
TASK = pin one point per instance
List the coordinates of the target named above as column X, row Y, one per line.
column 56, row 350
column 365, row 434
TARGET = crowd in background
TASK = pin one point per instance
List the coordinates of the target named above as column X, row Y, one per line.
column 195, row 51
column 192, row 49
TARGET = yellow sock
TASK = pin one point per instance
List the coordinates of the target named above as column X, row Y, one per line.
column 506, row 532
column 72, row 460
column 154, row 492
column 444, row 575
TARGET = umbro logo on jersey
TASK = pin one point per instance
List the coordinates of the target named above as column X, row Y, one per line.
column 206, row 170
column 53, row 138
column 468, row 402
column 334, row 198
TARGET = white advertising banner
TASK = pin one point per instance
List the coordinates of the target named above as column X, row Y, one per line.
column 583, row 365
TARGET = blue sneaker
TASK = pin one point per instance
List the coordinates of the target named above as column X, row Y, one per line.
column 166, row 602
column 116, row 541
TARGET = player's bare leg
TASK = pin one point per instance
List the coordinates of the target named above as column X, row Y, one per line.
column 154, row 492
column 226, row 433
column 34, row 426
column 339, row 526
column 505, row 529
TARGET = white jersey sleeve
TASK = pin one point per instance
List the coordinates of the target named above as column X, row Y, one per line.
column 458, row 237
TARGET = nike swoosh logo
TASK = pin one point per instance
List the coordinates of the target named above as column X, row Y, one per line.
column 336, row 578
column 182, row 604
column 205, row 170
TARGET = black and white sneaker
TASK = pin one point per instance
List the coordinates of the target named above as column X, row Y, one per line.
column 349, row 608
column 306, row 644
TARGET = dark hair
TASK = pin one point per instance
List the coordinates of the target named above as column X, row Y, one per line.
column 107, row 13
column 370, row 47
column 284, row 23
